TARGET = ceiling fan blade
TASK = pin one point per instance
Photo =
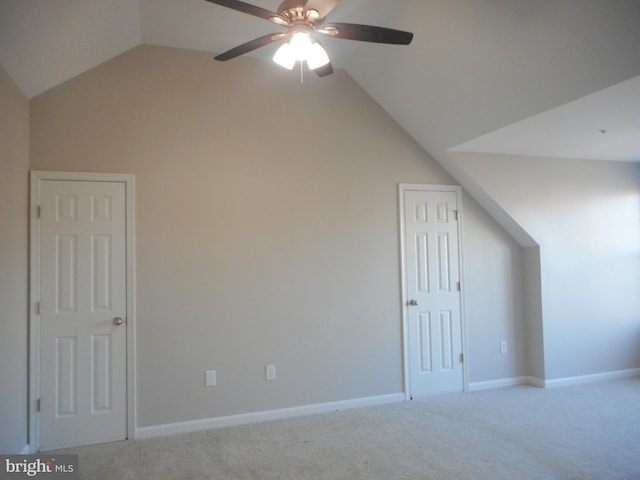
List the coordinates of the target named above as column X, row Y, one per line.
column 323, row 7
column 250, row 46
column 252, row 10
column 324, row 70
column 366, row 33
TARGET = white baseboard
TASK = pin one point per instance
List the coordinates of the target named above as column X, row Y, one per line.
column 536, row 382
column 595, row 377
column 499, row 383
column 255, row 417
column 26, row 450
column 558, row 382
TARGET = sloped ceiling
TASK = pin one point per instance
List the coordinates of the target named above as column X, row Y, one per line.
column 46, row 42
column 603, row 125
column 475, row 67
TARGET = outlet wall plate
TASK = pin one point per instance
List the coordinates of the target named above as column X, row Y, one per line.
column 210, row 379
column 270, row 372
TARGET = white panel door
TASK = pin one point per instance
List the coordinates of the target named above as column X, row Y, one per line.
column 432, row 291
column 82, row 313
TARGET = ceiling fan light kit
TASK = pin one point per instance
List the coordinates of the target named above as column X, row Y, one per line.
column 301, row 49
column 304, row 21
column 285, row 57
column 317, row 56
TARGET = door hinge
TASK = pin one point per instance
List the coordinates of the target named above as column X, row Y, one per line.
column 37, row 405
column 37, row 308
column 458, row 286
column 38, row 211
column 462, row 358
column 455, row 214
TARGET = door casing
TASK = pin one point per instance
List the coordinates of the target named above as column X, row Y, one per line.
column 36, row 177
column 402, row 188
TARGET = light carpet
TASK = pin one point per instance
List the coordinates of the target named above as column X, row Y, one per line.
column 579, row 432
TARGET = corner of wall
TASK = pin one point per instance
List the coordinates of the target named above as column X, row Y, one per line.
column 533, row 313
column 530, row 269
column 14, row 168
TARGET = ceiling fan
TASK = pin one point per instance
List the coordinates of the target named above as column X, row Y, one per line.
column 304, row 23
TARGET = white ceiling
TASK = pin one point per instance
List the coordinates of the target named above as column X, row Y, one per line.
column 46, row 42
column 527, row 77
column 601, row 126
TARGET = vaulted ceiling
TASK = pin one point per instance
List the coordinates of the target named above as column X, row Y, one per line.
column 525, row 77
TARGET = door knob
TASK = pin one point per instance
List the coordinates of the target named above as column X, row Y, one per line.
column 118, row 321
column 413, row 303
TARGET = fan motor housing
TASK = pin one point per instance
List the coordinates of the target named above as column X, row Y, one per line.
column 291, row 5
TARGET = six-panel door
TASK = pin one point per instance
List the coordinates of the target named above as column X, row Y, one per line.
column 83, row 294
column 433, row 296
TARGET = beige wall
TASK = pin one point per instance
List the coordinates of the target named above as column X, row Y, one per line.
column 14, row 167
column 494, row 298
column 267, row 225
column 584, row 215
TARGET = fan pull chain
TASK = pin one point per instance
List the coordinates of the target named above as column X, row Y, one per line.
column 301, row 72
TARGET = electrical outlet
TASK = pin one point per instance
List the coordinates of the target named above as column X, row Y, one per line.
column 210, row 378
column 270, row 372
column 503, row 347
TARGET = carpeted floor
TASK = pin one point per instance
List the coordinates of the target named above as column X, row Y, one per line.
column 521, row 433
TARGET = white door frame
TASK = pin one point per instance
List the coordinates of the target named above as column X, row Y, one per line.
column 34, row 293
column 402, row 188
